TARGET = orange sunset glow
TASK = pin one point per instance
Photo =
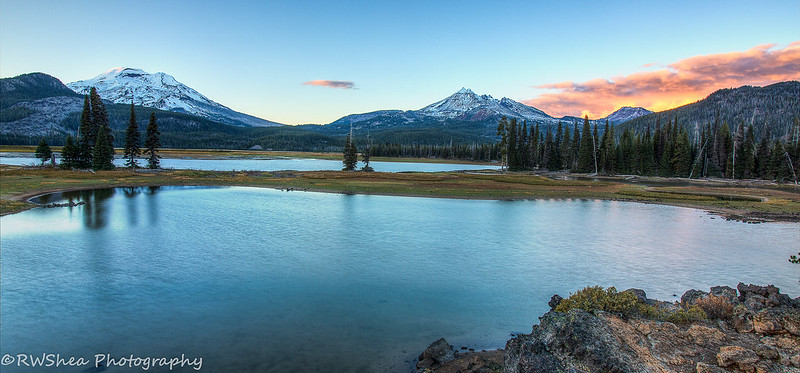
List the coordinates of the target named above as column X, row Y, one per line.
column 680, row 83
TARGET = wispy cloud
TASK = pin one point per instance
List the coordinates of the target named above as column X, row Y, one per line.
column 332, row 84
column 680, row 83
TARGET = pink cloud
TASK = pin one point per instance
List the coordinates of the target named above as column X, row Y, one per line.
column 331, row 84
column 680, row 83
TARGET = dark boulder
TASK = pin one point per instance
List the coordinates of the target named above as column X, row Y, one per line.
column 438, row 353
column 555, row 300
column 690, row 297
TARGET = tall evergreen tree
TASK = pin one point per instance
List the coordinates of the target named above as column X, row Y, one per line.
column 576, row 147
column 152, row 143
column 103, row 155
column 554, row 149
column 535, row 143
column 503, row 133
column 682, row 155
column 524, row 147
column 132, row 136
column 43, row 151
column 763, row 157
column 99, row 113
column 566, row 150
column 778, row 165
column 98, row 133
column 648, row 159
column 70, row 154
column 586, row 152
column 86, row 136
column 511, row 144
column 350, row 154
column 365, row 156
column 747, row 155
column 595, row 146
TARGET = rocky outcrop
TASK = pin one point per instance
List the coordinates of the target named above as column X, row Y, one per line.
column 755, row 329
column 436, row 355
column 762, row 334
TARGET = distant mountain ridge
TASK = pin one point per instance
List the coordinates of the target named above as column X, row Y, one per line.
column 463, row 111
column 769, row 109
column 162, row 91
column 38, row 105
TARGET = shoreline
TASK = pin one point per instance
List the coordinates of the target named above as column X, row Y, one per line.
column 21, row 151
column 748, row 202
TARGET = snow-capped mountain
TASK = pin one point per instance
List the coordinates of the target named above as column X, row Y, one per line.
column 162, row 91
column 464, row 105
column 467, row 105
column 626, row 113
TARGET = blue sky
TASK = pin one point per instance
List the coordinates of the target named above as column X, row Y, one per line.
column 254, row 56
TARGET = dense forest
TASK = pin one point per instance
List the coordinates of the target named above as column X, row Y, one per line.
column 666, row 150
column 764, row 108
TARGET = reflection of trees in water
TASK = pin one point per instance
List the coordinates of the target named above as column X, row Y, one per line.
column 95, row 211
column 131, row 209
column 152, row 204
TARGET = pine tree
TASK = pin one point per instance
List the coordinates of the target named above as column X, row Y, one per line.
column 511, row 145
column 43, row 151
column 763, row 158
column 576, row 147
column 524, row 147
column 648, row 158
column 554, row 149
column 103, row 155
column 534, row 147
column 99, row 113
column 152, row 143
column 350, row 154
column 365, row 156
column 682, row 155
column 503, row 133
column 585, row 155
column 547, row 151
column 70, row 154
column 86, row 136
column 566, row 150
column 747, row 157
column 778, row 165
column 132, row 136
column 595, row 146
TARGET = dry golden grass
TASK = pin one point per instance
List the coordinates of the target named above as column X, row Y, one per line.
column 740, row 200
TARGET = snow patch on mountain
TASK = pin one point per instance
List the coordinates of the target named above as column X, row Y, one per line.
column 626, row 113
column 164, row 92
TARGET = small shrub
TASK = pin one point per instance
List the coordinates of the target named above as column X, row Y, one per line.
column 593, row 298
column 716, row 307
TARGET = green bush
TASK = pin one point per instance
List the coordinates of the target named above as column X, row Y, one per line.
column 593, row 298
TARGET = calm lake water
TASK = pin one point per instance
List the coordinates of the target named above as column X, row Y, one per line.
column 297, row 164
column 260, row 280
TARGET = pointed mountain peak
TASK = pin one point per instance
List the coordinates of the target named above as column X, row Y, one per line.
column 464, row 90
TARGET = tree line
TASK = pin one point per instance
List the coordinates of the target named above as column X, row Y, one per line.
column 94, row 146
column 668, row 150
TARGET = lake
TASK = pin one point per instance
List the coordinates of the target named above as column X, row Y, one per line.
column 261, row 280
column 278, row 164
